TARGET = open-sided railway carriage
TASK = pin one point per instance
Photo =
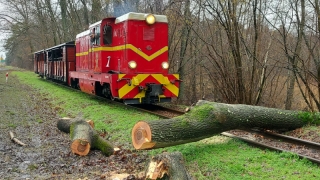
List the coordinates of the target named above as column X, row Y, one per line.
column 123, row 58
column 56, row 62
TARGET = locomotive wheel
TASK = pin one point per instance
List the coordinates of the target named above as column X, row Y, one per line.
column 106, row 91
column 75, row 83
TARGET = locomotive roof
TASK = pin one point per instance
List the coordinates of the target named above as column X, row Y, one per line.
column 125, row 17
column 140, row 16
column 86, row 32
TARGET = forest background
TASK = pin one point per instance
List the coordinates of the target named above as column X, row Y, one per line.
column 258, row 52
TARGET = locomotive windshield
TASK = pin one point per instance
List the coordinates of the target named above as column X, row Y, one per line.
column 107, row 35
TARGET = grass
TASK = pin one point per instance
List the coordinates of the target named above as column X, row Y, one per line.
column 217, row 157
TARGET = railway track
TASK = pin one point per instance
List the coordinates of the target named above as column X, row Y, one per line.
column 278, row 142
column 159, row 110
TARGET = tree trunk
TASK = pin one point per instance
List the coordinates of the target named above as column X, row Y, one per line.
column 63, row 9
column 293, row 61
column 84, row 137
column 209, row 118
column 167, row 166
column 185, row 37
column 96, row 11
column 85, row 14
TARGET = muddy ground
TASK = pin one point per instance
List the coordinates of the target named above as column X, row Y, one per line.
column 47, row 154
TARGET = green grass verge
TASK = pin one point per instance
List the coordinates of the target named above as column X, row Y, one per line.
column 213, row 158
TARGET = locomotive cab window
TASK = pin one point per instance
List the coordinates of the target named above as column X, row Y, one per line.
column 92, row 35
column 107, row 35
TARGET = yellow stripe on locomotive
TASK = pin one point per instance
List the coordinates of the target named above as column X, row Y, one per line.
column 158, row 87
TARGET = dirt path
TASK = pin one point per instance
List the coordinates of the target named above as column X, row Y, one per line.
column 47, row 155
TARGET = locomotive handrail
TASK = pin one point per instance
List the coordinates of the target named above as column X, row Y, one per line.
column 123, row 79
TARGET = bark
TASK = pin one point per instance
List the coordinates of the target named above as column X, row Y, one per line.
column 209, row 118
column 84, row 137
column 64, row 124
column 167, row 166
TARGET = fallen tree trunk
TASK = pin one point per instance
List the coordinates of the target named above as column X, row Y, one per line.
column 167, row 166
column 84, row 137
column 209, row 118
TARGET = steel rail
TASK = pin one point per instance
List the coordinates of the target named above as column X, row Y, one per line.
column 289, row 139
column 158, row 110
column 261, row 145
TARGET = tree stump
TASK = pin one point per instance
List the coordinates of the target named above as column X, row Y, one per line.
column 167, row 166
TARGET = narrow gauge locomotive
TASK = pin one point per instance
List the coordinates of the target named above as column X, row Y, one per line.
column 124, row 58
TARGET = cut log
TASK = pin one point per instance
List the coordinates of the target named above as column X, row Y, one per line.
column 81, row 135
column 14, row 139
column 64, row 124
column 167, row 166
column 103, row 145
column 209, row 118
column 84, row 137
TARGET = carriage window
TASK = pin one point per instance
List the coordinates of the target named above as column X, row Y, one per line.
column 95, row 36
column 107, row 34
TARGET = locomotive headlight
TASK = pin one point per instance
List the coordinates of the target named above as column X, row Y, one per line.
column 132, row 64
column 165, row 65
column 150, row 19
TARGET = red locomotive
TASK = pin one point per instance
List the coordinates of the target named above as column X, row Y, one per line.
column 124, row 58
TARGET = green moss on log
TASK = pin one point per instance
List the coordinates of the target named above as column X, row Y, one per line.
column 103, row 145
column 201, row 112
column 96, row 141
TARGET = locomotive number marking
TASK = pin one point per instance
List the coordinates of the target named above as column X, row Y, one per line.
column 108, row 63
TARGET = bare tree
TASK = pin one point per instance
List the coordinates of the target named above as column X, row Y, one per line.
column 63, row 9
column 85, row 12
column 96, row 11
